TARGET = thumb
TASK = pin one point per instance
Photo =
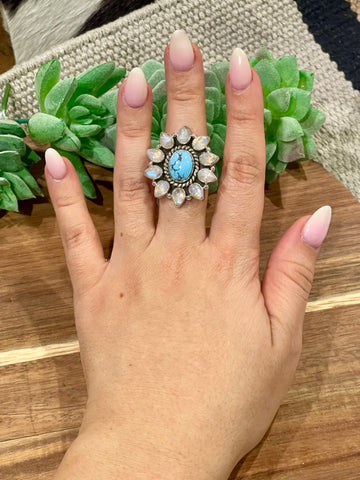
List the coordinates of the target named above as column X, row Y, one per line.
column 288, row 278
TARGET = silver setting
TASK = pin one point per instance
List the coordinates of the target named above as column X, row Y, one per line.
column 196, row 183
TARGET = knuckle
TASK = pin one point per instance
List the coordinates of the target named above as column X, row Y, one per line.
column 182, row 94
column 133, row 129
column 132, row 191
column 78, row 235
column 66, row 200
column 300, row 277
column 244, row 169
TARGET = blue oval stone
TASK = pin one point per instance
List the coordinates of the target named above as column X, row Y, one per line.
column 181, row 165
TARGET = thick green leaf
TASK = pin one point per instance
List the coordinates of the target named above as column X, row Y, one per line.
column 85, row 180
column 57, row 99
column 159, row 94
column 156, row 113
column 270, row 150
column 299, row 103
column 109, row 137
column 209, row 129
column 11, row 142
column 220, row 130
column 291, row 151
column 309, row 148
column 267, row 117
column 85, row 130
column 270, row 175
column 278, row 101
column 102, row 121
column 163, row 123
column 288, row 71
column 221, row 69
column 217, row 144
column 214, row 95
column 155, row 126
column 209, row 107
column 288, row 129
column 69, row 142
column 3, row 181
column 10, row 127
column 117, row 75
column 30, row 157
column 93, row 79
column 78, row 112
column 96, row 152
column 150, row 67
column 306, row 80
column 46, row 128
column 264, row 53
column 92, row 103
column 8, row 200
column 269, row 76
column 313, row 121
column 109, row 101
column 46, row 78
column 10, row 161
column 30, row 181
column 18, row 186
column 211, row 80
column 156, row 77
column 288, row 102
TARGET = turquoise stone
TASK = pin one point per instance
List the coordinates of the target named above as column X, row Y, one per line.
column 181, row 165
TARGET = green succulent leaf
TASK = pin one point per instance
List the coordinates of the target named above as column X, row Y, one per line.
column 10, row 161
column 288, row 71
column 93, row 79
column 313, row 121
column 11, row 142
column 209, row 129
column 117, row 75
column 220, row 130
column 94, row 151
column 85, row 130
column 163, row 123
column 90, row 102
column 156, row 113
column 267, row 117
column 46, row 78
column 306, row 80
column 159, row 94
column 69, row 142
column 209, row 108
column 150, row 67
column 9, row 127
column 156, row 77
column 109, row 137
column 46, row 128
column 8, row 200
column 309, row 148
column 213, row 95
column 211, row 80
column 84, row 177
column 109, row 101
column 288, row 129
column 18, row 186
column 217, row 144
column 269, row 76
column 30, row 157
column 270, row 150
column 263, row 53
column 3, row 181
column 221, row 69
column 291, row 151
column 26, row 176
column 57, row 99
column 288, row 102
column 78, row 112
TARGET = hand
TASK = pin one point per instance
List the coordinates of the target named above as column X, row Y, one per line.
column 186, row 354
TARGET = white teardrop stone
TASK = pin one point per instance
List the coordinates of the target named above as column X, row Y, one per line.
column 166, row 140
column 196, row 191
column 206, row 176
column 183, row 135
column 178, row 195
column 208, row 159
column 199, row 143
column 156, row 155
column 153, row 172
column 161, row 188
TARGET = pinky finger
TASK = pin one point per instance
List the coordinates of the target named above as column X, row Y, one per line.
column 83, row 250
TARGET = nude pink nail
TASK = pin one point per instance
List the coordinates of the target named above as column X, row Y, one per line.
column 181, row 51
column 135, row 92
column 55, row 164
column 240, row 70
column 317, row 227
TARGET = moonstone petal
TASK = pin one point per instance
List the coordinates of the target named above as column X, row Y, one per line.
column 183, row 135
column 156, row 155
column 199, row 143
column 161, row 188
column 207, row 176
column 208, row 159
column 196, row 191
column 166, row 140
column 153, row 172
column 178, row 195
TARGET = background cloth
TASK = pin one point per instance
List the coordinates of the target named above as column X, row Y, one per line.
column 285, row 26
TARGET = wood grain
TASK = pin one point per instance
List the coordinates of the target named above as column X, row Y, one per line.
column 316, row 434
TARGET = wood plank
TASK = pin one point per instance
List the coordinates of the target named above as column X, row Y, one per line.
column 35, row 290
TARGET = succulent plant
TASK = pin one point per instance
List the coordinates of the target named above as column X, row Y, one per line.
column 16, row 182
column 76, row 114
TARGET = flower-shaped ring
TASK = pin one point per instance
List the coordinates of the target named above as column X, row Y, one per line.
column 181, row 166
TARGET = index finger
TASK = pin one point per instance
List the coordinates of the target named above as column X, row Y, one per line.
column 240, row 199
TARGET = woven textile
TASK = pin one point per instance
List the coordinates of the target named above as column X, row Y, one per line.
column 217, row 27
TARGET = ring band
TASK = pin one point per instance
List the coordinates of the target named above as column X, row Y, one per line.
column 181, row 166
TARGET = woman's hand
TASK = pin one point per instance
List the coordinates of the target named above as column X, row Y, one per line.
column 187, row 355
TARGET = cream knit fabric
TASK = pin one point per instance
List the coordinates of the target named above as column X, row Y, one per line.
column 217, row 27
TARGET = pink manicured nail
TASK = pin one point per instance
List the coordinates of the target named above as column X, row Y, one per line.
column 317, row 227
column 240, row 70
column 135, row 93
column 181, row 51
column 55, row 164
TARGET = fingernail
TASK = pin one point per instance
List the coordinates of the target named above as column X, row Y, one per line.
column 317, row 227
column 135, row 93
column 55, row 164
column 240, row 70
column 181, row 51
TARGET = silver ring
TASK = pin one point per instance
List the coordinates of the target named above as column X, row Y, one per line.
column 181, row 166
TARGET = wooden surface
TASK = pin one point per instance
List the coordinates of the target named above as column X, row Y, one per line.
column 316, row 433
